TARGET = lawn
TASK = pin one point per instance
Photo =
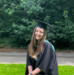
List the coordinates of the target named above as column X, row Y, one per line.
column 12, row 69
column 19, row 69
column 66, row 70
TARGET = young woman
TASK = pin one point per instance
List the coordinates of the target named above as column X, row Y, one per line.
column 41, row 57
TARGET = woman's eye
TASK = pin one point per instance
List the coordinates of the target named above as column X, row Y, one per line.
column 41, row 32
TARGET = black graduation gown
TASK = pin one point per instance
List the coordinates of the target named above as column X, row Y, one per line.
column 47, row 61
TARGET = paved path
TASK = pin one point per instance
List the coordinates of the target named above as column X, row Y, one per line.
column 63, row 58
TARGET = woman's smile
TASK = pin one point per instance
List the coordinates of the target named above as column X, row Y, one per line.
column 37, row 36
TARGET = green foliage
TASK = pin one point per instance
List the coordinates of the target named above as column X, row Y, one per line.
column 24, row 31
column 16, row 20
column 31, row 6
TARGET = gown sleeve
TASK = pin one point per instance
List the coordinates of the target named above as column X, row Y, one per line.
column 29, row 59
column 47, row 58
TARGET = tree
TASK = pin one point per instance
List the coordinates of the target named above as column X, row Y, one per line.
column 17, row 24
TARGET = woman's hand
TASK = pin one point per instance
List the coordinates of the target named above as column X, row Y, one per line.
column 36, row 71
column 29, row 74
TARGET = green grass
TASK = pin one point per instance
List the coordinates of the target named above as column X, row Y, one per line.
column 12, row 69
column 66, row 70
column 19, row 69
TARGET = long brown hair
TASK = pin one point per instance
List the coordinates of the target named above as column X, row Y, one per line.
column 32, row 52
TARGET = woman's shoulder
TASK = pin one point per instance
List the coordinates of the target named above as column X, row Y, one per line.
column 46, row 42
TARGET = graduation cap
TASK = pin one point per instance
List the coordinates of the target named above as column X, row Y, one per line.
column 43, row 25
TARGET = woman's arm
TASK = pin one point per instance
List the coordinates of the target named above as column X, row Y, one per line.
column 36, row 71
column 30, row 69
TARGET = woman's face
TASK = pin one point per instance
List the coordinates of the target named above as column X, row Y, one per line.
column 39, row 33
